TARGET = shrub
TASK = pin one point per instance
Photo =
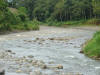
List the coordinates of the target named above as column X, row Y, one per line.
column 22, row 17
column 92, row 48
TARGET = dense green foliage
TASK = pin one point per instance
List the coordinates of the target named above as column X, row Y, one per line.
column 59, row 10
column 15, row 19
column 92, row 48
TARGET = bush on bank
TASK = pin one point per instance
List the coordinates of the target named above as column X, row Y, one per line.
column 15, row 19
column 92, row 48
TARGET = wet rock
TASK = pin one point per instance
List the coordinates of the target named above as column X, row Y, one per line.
column 35, row 41
column 29, row 61
column 2, row 69
column 81, row 51
column 40, row 43
column 60, row 67
column 27, row 65
column 18, row 71
column 51, row 38
column 43, row 66
column 37, row 38
column 71, row 43
column 56, row 67
column 13, row 53
column 2, row 72
column 34, row 62
column 31, row 56
column 51, row 62
column 29, row 41
column 42, row 62
column 8, row 51
column 37, row 72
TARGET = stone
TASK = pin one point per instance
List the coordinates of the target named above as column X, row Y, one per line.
column 55, row 67
column 59, row 67
column 34, row 62
column 31, row 56
column 51, row 39
column 51, row 62
column 40, row 43
column 37, row 38
column 2, row 69
column 81, row 51
column 37, row 72
column 2, row 72
column 43, row 66
column 29, row 41
column 8, row 51
column 19, row 71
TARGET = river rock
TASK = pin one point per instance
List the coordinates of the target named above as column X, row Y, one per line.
column 8, row 51
column 2, row 69
column 40, row 43
column 31, row 56
column 2, row 72
column 59, row 67
column 43, row 66
column 56, row 67
column 51, row 62
column 37, row 38
column 34, row 62
column 18, row 71
column 81, row 51
column 37, row 72
column 51, row 38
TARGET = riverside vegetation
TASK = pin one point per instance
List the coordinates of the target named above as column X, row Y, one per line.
column 92, row 48
column 15, row 19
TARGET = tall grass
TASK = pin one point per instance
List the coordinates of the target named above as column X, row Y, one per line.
column 92, row 48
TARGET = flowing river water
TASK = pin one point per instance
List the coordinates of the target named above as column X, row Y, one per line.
column 49, row 51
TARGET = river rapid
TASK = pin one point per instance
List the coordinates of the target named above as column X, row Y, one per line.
column 49, row 51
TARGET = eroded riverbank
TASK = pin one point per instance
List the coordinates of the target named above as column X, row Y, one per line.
column 46, row 50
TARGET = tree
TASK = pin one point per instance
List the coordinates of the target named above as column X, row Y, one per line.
column 96, row 8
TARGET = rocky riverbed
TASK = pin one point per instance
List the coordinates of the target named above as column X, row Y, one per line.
column 50, row 51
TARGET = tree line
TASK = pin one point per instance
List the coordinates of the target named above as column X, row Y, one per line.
column 60, row 10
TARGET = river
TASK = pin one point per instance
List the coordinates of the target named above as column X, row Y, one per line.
column 52, row 46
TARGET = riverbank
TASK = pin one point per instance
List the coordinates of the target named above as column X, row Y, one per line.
column 74, row 23
column 92, row 47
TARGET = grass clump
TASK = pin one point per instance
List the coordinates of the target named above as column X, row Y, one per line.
column 92, row 48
